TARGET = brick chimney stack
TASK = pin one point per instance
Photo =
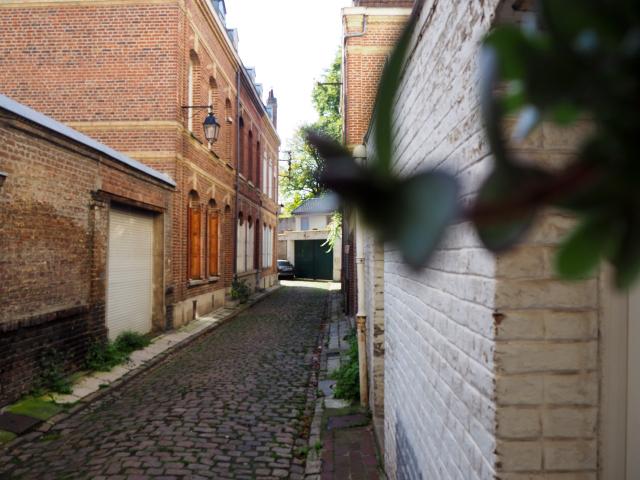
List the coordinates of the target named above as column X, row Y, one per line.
column 272, row 108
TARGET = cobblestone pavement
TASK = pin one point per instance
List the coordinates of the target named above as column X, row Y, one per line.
column 232, row 405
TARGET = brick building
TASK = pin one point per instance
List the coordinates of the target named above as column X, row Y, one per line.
column 370, row 31
column 69, row 209
column 123, row 72
column 493, row 367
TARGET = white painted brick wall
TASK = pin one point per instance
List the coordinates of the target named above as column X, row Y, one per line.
column 491, row 363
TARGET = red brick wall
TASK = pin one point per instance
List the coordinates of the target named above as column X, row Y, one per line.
column 365, row 57
column 54, row 217
column 91, row 63
column 119, row 73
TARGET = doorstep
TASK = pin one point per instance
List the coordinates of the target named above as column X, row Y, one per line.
column 93, row 385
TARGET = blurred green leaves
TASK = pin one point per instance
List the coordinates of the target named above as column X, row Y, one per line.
column 578, row 59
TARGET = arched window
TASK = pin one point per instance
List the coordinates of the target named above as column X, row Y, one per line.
column 228, row 121
column 240, row 165
column 258, row 165
column 213, row 232
column 194, row 226
column 212, row 94
column 192, row 77
column 249, row 166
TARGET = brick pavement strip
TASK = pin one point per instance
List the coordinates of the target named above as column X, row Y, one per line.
column 232, row 405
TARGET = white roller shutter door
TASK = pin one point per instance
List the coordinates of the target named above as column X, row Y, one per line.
column 130, row 272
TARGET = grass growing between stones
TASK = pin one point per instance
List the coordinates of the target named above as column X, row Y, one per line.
column 103, row 356
column 347, row 377
column 36, row 407
column 6, row 437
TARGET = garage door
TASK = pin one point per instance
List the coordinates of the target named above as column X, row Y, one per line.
column 130, row 272
column 312, row 260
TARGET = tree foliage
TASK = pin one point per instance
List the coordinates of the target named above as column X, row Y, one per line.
column 581, row 60
column 302, row 179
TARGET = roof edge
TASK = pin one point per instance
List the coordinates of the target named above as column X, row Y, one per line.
column 49, row 123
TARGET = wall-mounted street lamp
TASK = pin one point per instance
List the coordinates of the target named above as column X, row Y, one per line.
column 3, row 177
column 210, row 125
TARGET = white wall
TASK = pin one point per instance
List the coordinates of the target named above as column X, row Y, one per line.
column 491, row 365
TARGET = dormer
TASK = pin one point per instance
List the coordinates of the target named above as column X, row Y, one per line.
column 221, row 9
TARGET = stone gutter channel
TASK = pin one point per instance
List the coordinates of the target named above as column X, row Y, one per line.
column 95, row 385
column 332, row 346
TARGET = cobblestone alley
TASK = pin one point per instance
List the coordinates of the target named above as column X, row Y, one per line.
column 231, row 405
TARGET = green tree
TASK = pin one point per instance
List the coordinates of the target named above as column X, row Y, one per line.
column 302, row 180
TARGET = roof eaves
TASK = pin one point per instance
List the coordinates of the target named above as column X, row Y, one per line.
column 66, row 131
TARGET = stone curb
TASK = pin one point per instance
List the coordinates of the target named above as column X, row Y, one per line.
column 313, row 467
column 89, row 399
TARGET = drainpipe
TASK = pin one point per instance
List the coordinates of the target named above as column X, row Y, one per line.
column 238, row 140
column 361, row 317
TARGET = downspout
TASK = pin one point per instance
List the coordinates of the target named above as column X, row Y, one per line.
column 361, row 317
column 238, row 140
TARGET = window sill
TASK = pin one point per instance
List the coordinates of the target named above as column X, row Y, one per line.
column 247, row 273
column 197, row 283
column 213, row 279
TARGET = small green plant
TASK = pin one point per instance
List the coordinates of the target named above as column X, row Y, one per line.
column 103, row 356
column 348, row 376
column 240, row 290
column 302, row 452
column 317, row 446
column 52, row 375
column 128, row 342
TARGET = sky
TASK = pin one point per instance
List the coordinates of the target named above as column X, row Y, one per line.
column 290, row 43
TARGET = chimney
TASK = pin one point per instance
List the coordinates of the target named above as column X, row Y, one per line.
column 272, row 108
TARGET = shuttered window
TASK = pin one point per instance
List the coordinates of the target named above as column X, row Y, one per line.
column 195, row 244
column 214, row 244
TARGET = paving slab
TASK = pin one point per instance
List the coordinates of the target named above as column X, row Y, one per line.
column 18, row 424
column 347, row 421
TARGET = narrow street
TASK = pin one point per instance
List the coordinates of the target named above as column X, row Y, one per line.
column 229, row 406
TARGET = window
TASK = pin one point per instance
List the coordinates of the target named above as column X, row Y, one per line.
column 211, row 97
column 249, row 165
column 304, row 223
column 256, row 246
column 214, row 241
column 264, row 181
column 241, row 250
column 195, row 237
column 267, row 246
column 250, row 245
column 240, row 165
column 191, row 88
column 257, row 167
column 226, row 125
